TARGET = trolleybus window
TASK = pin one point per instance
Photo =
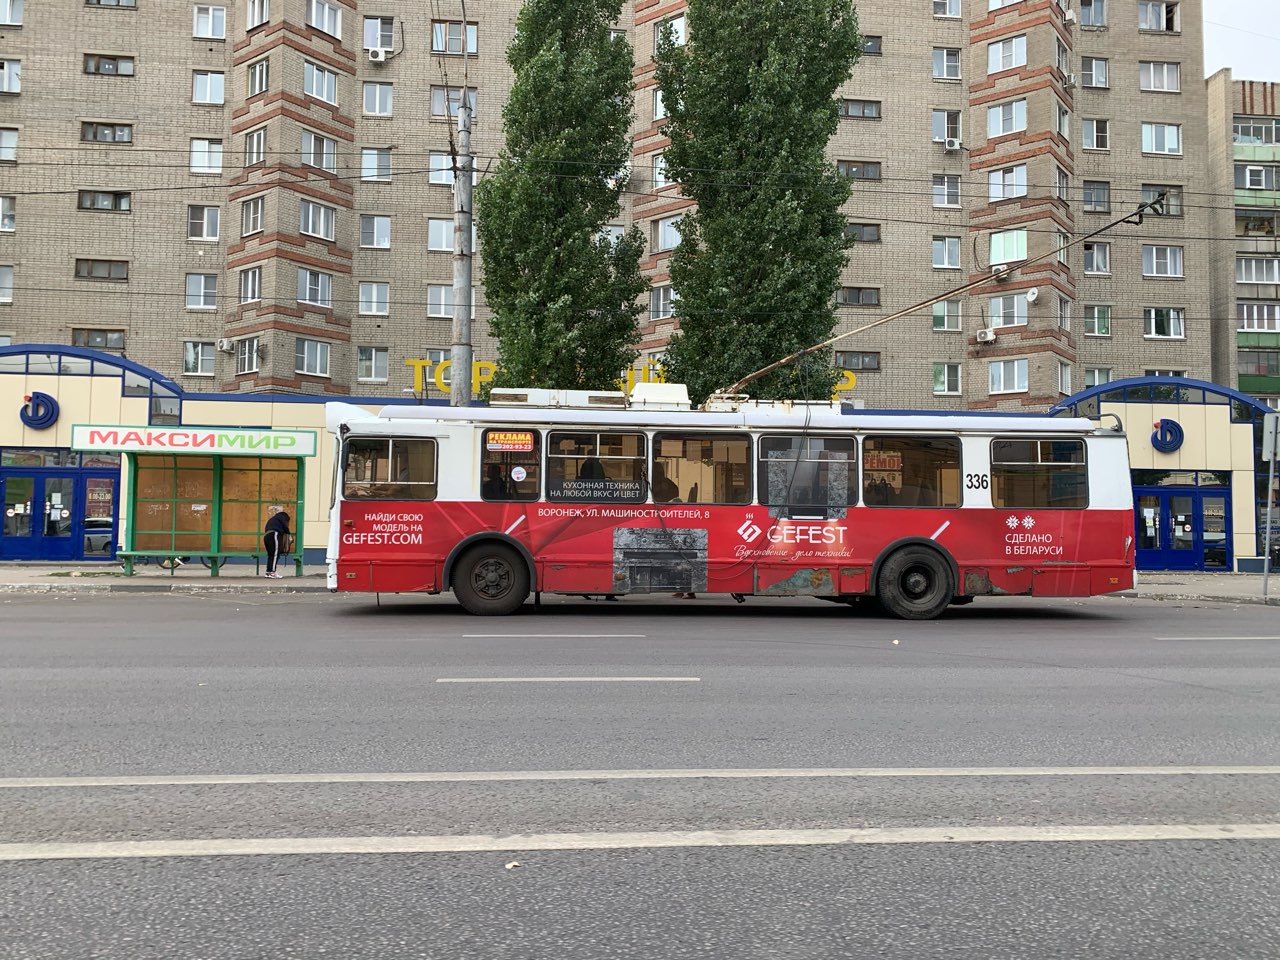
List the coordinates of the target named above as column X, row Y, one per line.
column 395, row 468
column 701, row 468
column 911, row 471
column 510, row 464
column 807, row 476
column 596, row 467
column 1046, row 474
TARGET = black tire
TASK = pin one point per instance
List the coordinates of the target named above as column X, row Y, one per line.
column 915, row 583
column 491, row 580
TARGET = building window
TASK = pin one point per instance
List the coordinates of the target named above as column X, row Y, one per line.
column 1258, row 316
column 202, row 223
column 102, row 270
column 946, row 63
column 946, row 8
column 447, row 37
column 441, row 169
column 439, row 300
column 1006, row 118
column 317, row 220
column 6, row 283
column 946, row 190
column 946, row 316
column 8, row 145
column 10, row 76
column 1097, row 257
column 325, row 16
column 11, row 12
column 1096, row 376
column 316, row 287
column 1062, row 184
column 440, row 234
column 251, row 216
column 946, row 379
column 1162, row 77
column 1159, row 16
column 247, row 355
column 375, row 298
column 1097, row 134
column 375, row 231
column 858, row 169
column 106, row 132
column 1164, row 373
column 207, row 87
column 1064, row 59
column 377, row 99
column 206, row 156
column 318, row 151
column 371, row 364
column 1009, row 310
column 108, row 66
column 1161, row 261
column 1097, row 196
column 872, row 46
column 257, row 12
column 1259, row 363
column 8, row 214
column 1062, row 240
column 1093, row 13
column 255, row 147
column 661, row 302
column 1007, row 376
column 380, row 33
column 445, row 101
column 1064, row 377
column 858, row 297
column 259, row 76
column 860, row 109
column 1097, row 321
column 1257, row 270
column 659, row 108
column 202, row 291
column 98, row 339
column 211, row 22
column 678, row 27
column 857, row 360
column 1063, row 126
column 319, row 83
column 946, row 253
column 945, row 125
column 1008, row 246
column 1164, row 323
column 863, row 232
column 251, row 285
column 1172, row 197
column 1093, row 72
column 1255, row 131
column 197, row 358
column 668, row 233
column 1008, row 183
column 105, row 200
column 1162, row 138
column 1007, row 54
column 375, row 164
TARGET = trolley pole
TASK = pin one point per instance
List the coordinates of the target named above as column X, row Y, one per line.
column 460, row 354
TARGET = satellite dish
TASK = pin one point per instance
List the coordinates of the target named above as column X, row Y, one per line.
column 1033, row 295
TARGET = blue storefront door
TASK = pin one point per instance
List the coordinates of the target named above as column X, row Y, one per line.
column 1182, row 528
column 57, row 515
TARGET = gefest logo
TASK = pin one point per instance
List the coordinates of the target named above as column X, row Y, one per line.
column 797, row 533
column 749, row 531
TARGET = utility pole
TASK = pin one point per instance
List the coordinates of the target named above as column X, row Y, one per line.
column 460, row 354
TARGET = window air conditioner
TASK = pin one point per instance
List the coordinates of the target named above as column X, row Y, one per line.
column 997, row 269
column 951, row 144
column 226, row 345
column 1068, row 16
column 378, row 55
column 1069, row 82
column 986, row 335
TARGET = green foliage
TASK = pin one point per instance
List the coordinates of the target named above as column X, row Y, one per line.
column 751, row 107
column 563, row 295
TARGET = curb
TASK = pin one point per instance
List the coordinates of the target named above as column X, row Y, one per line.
column 1197, row 597
column 102, row 589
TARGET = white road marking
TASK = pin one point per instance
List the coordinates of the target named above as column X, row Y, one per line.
column 938, row 532
column 519, row 520
column 496, row 776
column 485, row 843
column 554, row 636
column 1216, row 638
column 569, row 680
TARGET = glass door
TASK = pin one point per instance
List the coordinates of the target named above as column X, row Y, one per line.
column 39, row 517
column 1182, row 529
column 16, row 536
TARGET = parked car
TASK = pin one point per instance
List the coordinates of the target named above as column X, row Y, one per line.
column 98, row 536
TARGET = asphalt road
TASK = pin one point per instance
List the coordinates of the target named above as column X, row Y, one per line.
column 269, row 777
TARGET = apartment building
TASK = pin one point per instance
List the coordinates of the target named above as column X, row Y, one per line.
column 259, row 197
column 1244, row 166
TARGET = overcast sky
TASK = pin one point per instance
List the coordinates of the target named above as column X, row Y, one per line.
column 1243, row 35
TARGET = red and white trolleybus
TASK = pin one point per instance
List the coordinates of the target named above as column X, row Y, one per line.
column 601, row 494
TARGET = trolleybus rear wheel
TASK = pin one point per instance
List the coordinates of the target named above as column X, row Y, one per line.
column 915, row 584
column 491, row 579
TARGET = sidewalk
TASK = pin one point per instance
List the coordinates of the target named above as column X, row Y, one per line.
column 103, row 578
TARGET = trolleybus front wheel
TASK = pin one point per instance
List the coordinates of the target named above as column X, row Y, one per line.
column 491, row 579
column 915, row 584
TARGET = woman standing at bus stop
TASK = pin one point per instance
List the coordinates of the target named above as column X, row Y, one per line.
column 275, row 538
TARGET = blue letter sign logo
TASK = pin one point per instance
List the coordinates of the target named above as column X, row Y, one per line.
column 1167, row 436
column 41, row 411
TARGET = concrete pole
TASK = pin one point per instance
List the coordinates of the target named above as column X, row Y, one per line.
column 460, row 354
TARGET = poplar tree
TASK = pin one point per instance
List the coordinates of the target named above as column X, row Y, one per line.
column 563, row 290
column 750, row 100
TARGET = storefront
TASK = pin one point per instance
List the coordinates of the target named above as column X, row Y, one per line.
column 1199, row 483
column 99, row 453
